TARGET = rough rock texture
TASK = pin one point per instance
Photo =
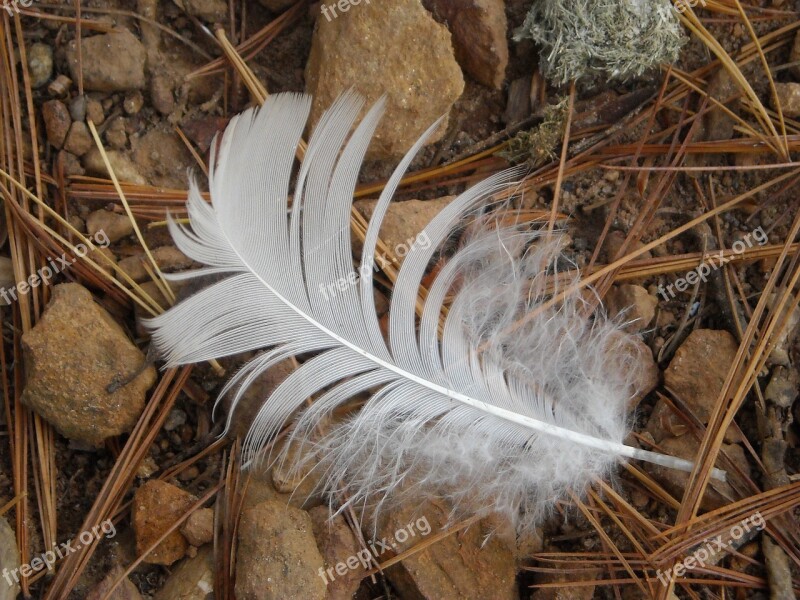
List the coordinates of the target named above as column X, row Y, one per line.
column 687, row 446
column 337, row 543
column 168, row 259
column 789, row 97
column 357, row 48
column 56, row 121
column 156, row 506
column 72, row 355
column 115, row 225
column 461, row 566
column 112, row 62
column 164, row 158
column 9, row 558
column 632, row 304
column 403, row 222
column 479, row 36
column 277, row 556
column 193, row 579
column 124, row 591
column 648, row 374
column 40, row 64
column 199, row 527
column 79, row 141
column 697, row 371
column 123, row 167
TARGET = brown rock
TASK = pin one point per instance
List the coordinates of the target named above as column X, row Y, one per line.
column 357, row 48
column 94, row 111
column 71, row 164
column 199, row 527
column 168, row 259
column 632, row 304
column 111, row 62
column 193, row 579
column 72, row 355
column 156, row 506
column 124, row 591
column 479, row 36
column 116, row 226
column 164, row 157
column 687, row 446
column 122, row 166
column 59, row 87
column 698, row 370
column 461, row 566
column 789, row 98
column 337, row 543
column 402, row 223
column 161, row 94
column 277, row 556
column 56, row 122
column 79, row 141
column 209, row 10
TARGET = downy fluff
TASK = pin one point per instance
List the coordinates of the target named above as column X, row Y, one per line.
column 494, row 420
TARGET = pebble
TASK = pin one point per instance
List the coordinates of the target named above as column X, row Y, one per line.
column 337, row 542
column 40, row 64
column 168, row 259
column 783, row 386
column 115, row 225
column 71, row 163
column 72, row 355
column 789, row 98
column 77, row 108
column 124, row 591
column 209, row 10
column 115, row 134
column 79, row 140
column 156, row 506
column 60, row 86
column 421, row 83
column 631, row 304
column 161, row 95
column 56, row 122
column 94, row 111
column 133, row 102
column 9, row 558
column 277, row 555
column 192, row 579
column 124, row 168
column 199, row 527
column 402, row 223
column 479, row 36
column 164, row 157
column 112, row 62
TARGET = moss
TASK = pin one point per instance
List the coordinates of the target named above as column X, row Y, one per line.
column 538, row 146
column 587, row 39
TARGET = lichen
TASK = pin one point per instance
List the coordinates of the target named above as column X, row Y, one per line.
column 537, row 146
column 587, row 39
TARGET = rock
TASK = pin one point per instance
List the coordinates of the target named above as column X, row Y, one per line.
column 631, row 304
column 193, row 579
column 133, row 102
column 718, row 493
column 698, row 370
column 161, row 95
column 337, row 543
column 789, row 98
column 40, row 64
column 645, row 378
column 565, row 593
column 95, row 112
column 156, row 506
column 115, row 134
column 59, row 87
column 72, row 355
column 56, row 122
column 124, row 591
column 77, row 108
column 277, row 557
column 199, row 527
column 465, row 565
column 112, row 62
column 208, row 10
column 783, row 387
column 479, row 36
column 71, row 164
column 421, row 83
column 79, row 141
column 613, row 245
column 779, row 570
column 123, row 168
column 276, row 5
column 168, row 259
column 104, row 263
column 402, row 223
column 116, row 226
column 164, row 157
column 9, row 558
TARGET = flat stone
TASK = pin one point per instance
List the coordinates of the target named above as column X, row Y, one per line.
column 123, row 167
column 115, row 225
column 156, row 506
column 72, row 355
column 56, row 122
column 633, row 304
column 112, row 62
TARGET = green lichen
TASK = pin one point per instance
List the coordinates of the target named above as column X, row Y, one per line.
column 588, row 39
column 538, row 146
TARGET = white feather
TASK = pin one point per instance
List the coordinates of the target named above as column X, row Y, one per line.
column 493, row 420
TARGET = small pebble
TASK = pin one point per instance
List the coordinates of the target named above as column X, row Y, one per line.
column 40, row 64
